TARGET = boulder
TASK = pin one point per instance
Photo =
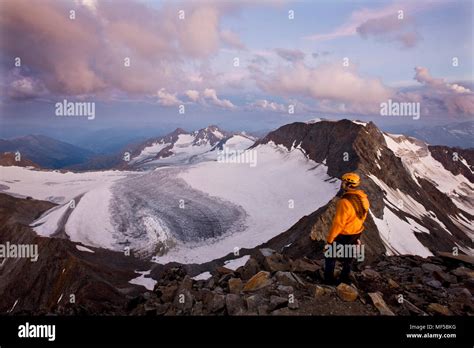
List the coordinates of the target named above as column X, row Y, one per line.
column 217, row 303
column 430, row 268
column 258, row 281
column 460, row 293
column 276, row 262
column 293, row 303
column 235, row 285
column 277, row 302
column 283, row 289
column 434, row 283
column 469, row 284
column 346, row 292
column 437, row 308
column 463, row 272
column 224, row 279
column 445, row 277
column 197, row 309
column 304, row 266
column 234, row 304
column 286, row 278
column 370, row 274
column 380, row 304
column 221, row 270
column 249, row 269
column 168, row 293
column 262, row 310
column 393, row 284
column 183, row 300
column 254, row 302
column 320, row 291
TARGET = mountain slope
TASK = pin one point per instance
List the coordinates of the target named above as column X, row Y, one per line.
column 417, row 206
column 45, row 151
column 98, row 279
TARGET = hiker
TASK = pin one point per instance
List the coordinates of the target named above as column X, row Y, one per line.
column 346, row 229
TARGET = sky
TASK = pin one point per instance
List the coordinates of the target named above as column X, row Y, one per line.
column 243, row 65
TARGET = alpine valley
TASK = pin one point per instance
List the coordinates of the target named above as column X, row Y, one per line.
column 170, row 216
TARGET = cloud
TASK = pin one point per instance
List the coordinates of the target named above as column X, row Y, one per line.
column 167, row 99
column 327, row 82
column 259, row 59
column 192, row 95
column 232, row 39
column 316, row 55
column 423, row 76
column 439, row 95
column 86, row 55
column 390, row 28
column 289, row 54
column 265, row 105
column 211, row 96
column 382, row 23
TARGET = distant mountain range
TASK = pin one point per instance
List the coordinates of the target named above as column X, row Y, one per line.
column 45, row 151
column 455, row 134
column 178, row 145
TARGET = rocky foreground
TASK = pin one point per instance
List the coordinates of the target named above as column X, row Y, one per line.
column 272, row 284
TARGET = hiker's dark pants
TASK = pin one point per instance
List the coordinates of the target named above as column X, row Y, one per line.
column 330, row 262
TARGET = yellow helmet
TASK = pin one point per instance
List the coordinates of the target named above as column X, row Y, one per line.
column 352, row 179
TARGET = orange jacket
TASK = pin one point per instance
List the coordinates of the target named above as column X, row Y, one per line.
column 346, row 221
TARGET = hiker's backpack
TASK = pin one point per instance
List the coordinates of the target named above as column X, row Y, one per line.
column 357, row 204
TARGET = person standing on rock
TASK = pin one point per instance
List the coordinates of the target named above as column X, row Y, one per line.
column 347, row 226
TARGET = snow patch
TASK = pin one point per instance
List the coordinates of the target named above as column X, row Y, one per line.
column 147, row 282
column 398, row 235
column 203, row 276
column 82, row 248
column 236, row 263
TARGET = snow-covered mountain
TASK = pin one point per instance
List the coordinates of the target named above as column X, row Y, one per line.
column 421, row 196
column 180, row 147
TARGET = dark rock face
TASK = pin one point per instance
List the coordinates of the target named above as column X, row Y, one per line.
column 330, row 141
column 455, row 159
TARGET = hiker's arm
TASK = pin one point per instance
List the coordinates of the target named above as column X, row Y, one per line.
column 339, row 220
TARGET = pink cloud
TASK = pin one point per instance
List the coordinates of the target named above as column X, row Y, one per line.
column 382, row 23
column 289, row 54
column 328, row 82
column 86, row 55
column 441, row 95
column 232, row 39
column 211, row 95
